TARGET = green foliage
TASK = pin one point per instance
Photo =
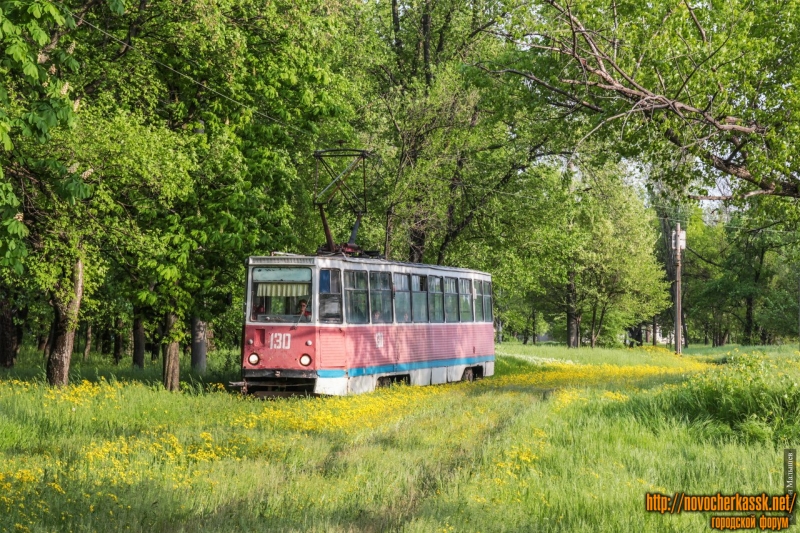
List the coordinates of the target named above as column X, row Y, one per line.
column 162, row 143
column 740, row 282
column 751, row 398
column 588, row 226
column 712, row 108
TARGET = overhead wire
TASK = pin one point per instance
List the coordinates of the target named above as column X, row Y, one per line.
column 303, row 132
column 672, row 219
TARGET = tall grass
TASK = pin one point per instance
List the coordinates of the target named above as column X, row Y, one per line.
column 645, row 355
column 538, row 447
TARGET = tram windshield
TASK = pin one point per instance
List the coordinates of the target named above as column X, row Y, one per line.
column 280, row 294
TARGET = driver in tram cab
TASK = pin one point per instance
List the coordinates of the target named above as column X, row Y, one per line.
column 258, row 311
column 304, row 312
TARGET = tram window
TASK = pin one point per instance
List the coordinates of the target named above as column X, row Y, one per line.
column 487, row 301
column 465, row 299
column 278, row 293
column 380, row 296
column 478, row 301
column 419, row 298
column 330, row 296
column 356, row 300
column 402, row 298
column 435, row 302
column 450, row 300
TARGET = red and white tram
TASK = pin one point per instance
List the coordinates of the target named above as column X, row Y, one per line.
column 340, row 325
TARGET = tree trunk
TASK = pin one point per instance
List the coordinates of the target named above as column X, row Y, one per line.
column 119, row 325
column 87, row 348
column 158, row 336
column 48, row 345
column 685, row 328
column 714, row 333
column 417, row 247
column 155, row 349
column 426, row 44
column 655, row 331
column 19, row 331
column 138, row 342
column 199, row 345
column 749, row 321
column 573, row 321
column 171, row 364
column 66, row 323
column 8, row 335
column 108, row 341
column 100, row 339
column 387, row 244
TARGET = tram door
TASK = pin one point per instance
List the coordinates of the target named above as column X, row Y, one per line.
column 331, row 331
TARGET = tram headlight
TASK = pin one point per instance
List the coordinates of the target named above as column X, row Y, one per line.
column 305, row 359
column 253, row 359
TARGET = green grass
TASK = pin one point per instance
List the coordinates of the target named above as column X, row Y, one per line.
column 118, row 453
column 596, row 356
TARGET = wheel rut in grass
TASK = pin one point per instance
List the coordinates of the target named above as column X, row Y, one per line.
column 431, row 447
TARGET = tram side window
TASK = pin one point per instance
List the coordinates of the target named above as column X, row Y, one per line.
column 435, row 302
column 280, row 294
column 419, row 298
column 478, row 301
column 356, row 300
column 465, row 299
column 330, row 296
column 402, row 298
column 380, row 296
column 450, row 300
column 487, row 300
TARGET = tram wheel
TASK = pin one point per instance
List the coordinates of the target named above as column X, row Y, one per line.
column 468, row 375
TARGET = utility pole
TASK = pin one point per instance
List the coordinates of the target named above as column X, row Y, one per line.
column 678, row 244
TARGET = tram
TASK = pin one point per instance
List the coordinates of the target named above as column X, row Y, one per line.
column 337, row 324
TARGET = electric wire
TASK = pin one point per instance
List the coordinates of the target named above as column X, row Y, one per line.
column 303, row 132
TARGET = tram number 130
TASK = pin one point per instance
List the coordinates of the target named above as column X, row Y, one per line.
column 280, row 341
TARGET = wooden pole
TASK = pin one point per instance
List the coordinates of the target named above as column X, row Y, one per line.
column 678, row 326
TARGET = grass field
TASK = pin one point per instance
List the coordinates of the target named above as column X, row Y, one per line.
column 558, row 440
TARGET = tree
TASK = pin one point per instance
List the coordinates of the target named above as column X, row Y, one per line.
column 132, row 197
column 713, row 81
column 450, row 138
column 738, row 280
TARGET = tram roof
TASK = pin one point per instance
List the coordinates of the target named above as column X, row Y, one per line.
column 297, row 259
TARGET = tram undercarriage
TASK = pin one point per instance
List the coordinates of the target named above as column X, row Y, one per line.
column 287, row 383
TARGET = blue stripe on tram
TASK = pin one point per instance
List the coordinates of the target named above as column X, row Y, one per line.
column 402, row 367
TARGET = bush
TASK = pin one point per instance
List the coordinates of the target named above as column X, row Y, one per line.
column 751, row 398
